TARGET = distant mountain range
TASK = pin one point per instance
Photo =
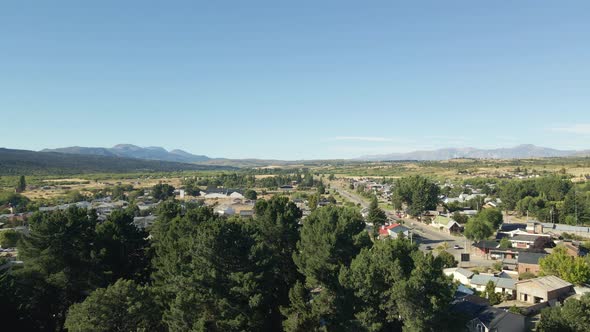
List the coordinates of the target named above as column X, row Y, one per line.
column 517, row 152
column 179, row 156
column 24, row 162
column 134, row 151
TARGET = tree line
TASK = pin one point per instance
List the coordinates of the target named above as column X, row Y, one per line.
column 197, row 271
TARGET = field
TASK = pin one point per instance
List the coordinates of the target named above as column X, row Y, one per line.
column 53, row 186
column 457, row 170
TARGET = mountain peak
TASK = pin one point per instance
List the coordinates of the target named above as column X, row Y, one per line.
column 126, row 147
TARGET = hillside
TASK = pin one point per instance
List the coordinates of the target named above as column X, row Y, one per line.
column 24, row 162
column 134, row 151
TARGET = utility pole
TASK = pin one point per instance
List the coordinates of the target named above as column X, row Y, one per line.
column 575, row 205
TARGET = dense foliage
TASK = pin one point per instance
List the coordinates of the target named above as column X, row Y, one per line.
column 483, row 224
column 550, row 198
column 573, row 269
column 67, row 255
column 376, row 216
column 417, row 192
column 573, row 316
column 202, row 272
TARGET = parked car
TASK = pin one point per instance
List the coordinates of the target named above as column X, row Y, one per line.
column 428, row 248
column 456, row 246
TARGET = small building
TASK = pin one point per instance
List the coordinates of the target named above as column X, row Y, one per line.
column 459, row 274
column 393, row 231
column 529, row 241
column 484, row 247
column 529, row 262
column 502, row 285
column 543, row 289
column 453, row 227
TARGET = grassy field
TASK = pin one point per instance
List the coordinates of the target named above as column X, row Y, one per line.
column 453, row 170
column 464, row 168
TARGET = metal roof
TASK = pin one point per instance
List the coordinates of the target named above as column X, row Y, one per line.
column 548, row 283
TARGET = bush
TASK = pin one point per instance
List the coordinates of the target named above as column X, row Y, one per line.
column 9, row 238
column 526, row 276
column 250, row 194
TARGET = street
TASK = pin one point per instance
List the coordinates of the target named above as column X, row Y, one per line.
column 427, row 237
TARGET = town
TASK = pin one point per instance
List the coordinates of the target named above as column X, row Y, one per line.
column 506, row 265
column 295, row 166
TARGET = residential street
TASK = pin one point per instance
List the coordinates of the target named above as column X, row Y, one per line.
column 427, row 236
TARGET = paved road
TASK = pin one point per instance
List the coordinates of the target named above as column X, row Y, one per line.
column 352, row 197
column 426, row 235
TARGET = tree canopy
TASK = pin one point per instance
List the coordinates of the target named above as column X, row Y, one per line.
column 417, row 192
column 196, row 271
column 122, row 306
column 573, row 316
column 573, row 269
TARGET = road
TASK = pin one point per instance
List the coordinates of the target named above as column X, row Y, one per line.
column 425, row 235
column 352, row 197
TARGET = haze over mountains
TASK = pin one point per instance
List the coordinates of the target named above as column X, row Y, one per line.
column 159, row 153
column 520, row 151
column 134, row 151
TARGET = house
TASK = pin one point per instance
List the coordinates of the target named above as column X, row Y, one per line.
column 529, row 241
column 446, row 224
column 453, row 227
column 543, row 289
column 480, row 316
column 502, row 285
column 459, row 274
column 497, row 320
column 483, row 247
column 529, row 262
column 393, row 231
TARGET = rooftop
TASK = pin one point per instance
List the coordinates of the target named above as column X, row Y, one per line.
column 500, row 320
column 548, row 283
column 482, row 280
column 525, row 238
column 487, row 244
column 530, row 257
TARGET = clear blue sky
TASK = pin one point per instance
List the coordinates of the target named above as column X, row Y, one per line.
column 295, row 79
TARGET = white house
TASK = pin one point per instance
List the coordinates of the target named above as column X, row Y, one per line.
column 459, row 274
